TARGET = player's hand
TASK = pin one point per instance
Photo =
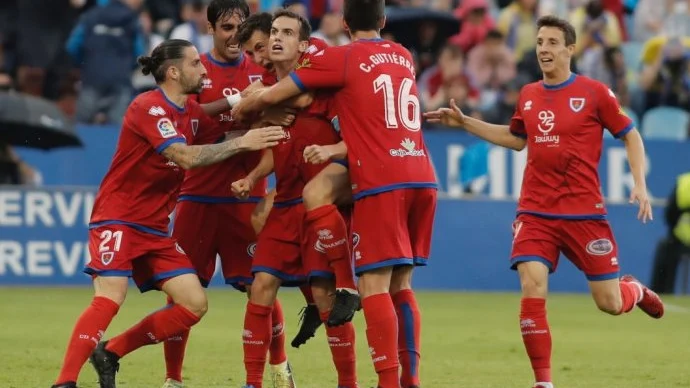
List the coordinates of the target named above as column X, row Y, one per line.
column 242, row 187
column 277, row 115
column 450, row 117
column 245, row 107
column 639, row 195
column 316, row 154
column 260, row 138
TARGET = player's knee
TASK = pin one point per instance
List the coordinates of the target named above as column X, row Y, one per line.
column 609, row 302
column 375, row 282
column 315, row 195
column 401, row 279
column 113, row 288
column 196, row 302
column 323, row 291
column 533, row 287
column 264, row 289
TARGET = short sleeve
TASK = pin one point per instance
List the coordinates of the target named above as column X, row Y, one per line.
column 325, row 69
column 517, row 123
column 155, row 124
column 611, row 115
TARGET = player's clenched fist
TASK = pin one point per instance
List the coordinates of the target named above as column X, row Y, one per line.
column 260, row 138
column 451, row 117
column 242, row 187
column 316, row 154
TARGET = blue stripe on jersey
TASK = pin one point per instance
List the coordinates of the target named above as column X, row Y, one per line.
column 234, row 63
column 298, row 82
column 132, row 225
column 553, row 216
column 625, row 130
column 207, row 199
column 168, row 143
column 342, row 162
column 288, row 203
column 169, row 101
column 567, row 82
column 397, row 186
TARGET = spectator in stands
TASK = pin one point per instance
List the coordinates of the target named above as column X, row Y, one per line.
column 597, row 29
column 518, row 23
column 164, row 14
column 677, row 23
column 141, row 82
column 665, row 76
column 331, row 30
column 105, row 43
column 491, row 63
column 14, row 171
column 449, row 65
column 195, row 26
column 502, row 111
column 649, row 18
column 615, row 74
column 476, row 22
column 677, row 243
column 299, row 7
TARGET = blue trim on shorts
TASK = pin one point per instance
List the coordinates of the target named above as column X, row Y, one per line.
column 384, row 264
column 209, row 199
column 151, row 283
column 527, row 258
column 108, row 272
column 236, row 282
column 342, row 162
column 287, row 280
column 573, row 217
column 606, row 276
column 132, row 225
column 284, row 204
column 420, row 261
column 321, row 274
column 397, row 186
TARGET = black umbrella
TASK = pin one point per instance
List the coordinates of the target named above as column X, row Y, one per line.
column 404, row 22
column 27, row 121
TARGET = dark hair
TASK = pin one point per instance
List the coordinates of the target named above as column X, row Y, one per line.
column 494, row 34
column 162, row 57
column 257, row 22
column 454, row 50
column 217, row 9
column 363, row 15
column 304, row 26
column 562, row 24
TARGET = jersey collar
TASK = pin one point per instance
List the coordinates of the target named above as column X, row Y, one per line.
column 234, row 63
column 567, row 82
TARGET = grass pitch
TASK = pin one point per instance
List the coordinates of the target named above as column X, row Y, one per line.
column 469, row 340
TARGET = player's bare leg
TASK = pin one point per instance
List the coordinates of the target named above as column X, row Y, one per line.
column 617, row 297
column 409, row 326
column 330, row 187
column 341, row 339
column 536, row 335
column 190, row 304
column 382, row 324
column 109, row 294
column 257, row 332
column 260, row 213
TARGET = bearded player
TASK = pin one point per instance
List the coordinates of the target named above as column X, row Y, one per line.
column 561, row 120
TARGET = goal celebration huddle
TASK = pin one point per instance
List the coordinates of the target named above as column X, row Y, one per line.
column 352, row 212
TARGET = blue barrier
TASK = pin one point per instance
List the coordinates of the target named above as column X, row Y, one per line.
column 43, row 241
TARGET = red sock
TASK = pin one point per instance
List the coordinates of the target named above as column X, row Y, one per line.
column 630, row 294
column 382, row 336
column 256, row 337
column 409, row 333
column 87, row 332
column 536, row 336
column 341, row 340
column 306, row 291
column 159, row 326
column 330, row 231
column 276, row 351
column 174, row 348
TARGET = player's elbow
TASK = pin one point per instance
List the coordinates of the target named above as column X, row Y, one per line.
column 519, row 144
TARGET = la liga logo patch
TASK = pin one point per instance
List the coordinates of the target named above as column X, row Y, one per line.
column 166, row 128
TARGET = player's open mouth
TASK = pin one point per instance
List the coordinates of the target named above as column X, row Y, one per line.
column 276, row 48
column 546, row 60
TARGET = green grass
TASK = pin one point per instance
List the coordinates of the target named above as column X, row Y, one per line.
column 469, row 340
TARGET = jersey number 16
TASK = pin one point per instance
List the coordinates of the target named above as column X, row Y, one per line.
column 405, row 108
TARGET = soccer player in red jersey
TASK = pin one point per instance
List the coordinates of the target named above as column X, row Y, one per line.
column 209, row 220
column 281, row 257
column 393, row 181
column 561, row 210
column 128, row 230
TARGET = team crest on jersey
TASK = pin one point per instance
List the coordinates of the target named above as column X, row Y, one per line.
column 255, row 77
column 576, row 104
column 107, row 257
column 355, row 240
column 195, row 126
column 166, row 128
column 179, row 248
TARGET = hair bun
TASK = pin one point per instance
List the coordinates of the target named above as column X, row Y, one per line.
column 147, row 64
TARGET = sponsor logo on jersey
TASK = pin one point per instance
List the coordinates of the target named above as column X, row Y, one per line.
column 600, row 247
column 156, row 111
column 547, row 122
column 166, row 128
column 576, row 104
column 408, row 149
column 528, row 105
column 206, row 83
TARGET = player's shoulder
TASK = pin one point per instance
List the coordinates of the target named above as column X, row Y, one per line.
column 593, row 86
column 152, row 101
column 316, row 45
column 531, row 87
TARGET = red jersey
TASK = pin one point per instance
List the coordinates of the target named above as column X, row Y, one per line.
column 211, row 184
column 379, row 113
column 141, row 186
column 563, row 125
column 311, row 126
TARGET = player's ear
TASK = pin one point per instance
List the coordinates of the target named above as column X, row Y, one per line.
column 209, row 28
column 345, row 26
column 382, row 22
column 571, row 49
column 303, row 46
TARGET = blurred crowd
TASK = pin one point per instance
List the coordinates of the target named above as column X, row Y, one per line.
column 81, row 53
